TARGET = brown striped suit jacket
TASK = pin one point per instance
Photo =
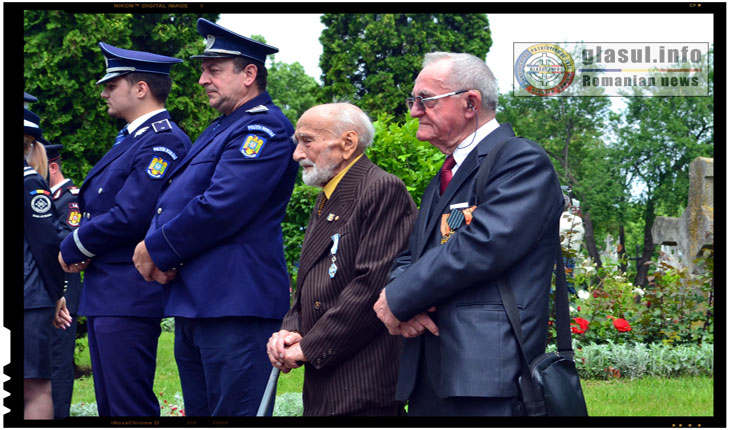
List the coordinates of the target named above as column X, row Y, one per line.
column 352, row 360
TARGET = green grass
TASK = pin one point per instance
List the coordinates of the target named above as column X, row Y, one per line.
column 651, row 396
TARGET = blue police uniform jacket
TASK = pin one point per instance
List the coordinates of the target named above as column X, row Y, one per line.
column 117, row 201
column 66, row 202
column 42, row 234
column 218, row 219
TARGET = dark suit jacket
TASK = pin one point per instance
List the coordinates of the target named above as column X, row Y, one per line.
column 352, row 360
column 513, row 235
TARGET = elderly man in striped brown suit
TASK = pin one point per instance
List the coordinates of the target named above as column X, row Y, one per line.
column 360, row 222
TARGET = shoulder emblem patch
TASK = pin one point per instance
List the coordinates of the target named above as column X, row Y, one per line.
column 157, row 167
column 259, row 127
column 40, row 203
column 74, row 216
column 161, row 126
column 252, row 145
column 167, row 151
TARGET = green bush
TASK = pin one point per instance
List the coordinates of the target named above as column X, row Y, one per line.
column 637, row 360
column 675, row 308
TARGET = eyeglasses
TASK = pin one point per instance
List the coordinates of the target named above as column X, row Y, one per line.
column 429, row 102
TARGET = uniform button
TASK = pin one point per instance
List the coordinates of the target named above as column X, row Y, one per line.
column 100, row 190
column 317, row 305
column 318, row 362
column 329, row 351
column 159, row 211
column 88, row 215
column 170, row 181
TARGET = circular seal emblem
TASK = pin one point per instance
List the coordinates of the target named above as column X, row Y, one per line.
column 544, row 69
column 40, row 204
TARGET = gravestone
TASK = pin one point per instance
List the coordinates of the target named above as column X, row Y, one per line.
column 693, row 231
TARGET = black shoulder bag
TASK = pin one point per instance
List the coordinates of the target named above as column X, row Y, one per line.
column 549, row 385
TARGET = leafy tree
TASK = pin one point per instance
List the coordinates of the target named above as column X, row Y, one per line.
column 62, row 63
column 291, row 89
column 373, row 59
column 289, row 86
column 664, row 136
column 572, row 129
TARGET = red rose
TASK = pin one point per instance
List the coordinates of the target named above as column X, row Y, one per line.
column 620, row 324
column 582, row 323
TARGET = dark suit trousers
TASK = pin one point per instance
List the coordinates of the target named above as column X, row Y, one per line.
column 123, row 358
column 424, row 401
column 223, row 364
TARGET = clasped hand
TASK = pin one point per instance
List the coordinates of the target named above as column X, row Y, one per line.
column 284, row 350
column 414, row 327
column 147, row 268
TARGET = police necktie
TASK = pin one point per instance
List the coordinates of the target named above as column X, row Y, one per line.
column 121, row 135
column 446, row 172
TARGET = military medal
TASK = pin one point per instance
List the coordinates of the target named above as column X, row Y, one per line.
column 333, row 251
column 450, row 222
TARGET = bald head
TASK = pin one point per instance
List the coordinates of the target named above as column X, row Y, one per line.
column 329, row 137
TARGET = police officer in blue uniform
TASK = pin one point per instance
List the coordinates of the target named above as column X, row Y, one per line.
column 218, row 223
column 42, row 279
column 63, row 340
column 116, row 201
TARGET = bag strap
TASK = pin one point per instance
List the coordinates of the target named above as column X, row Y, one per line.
column 485, row 168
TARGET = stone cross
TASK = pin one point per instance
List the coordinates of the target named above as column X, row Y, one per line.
column 694, row 230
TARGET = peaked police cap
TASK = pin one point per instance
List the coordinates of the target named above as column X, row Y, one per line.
column 223, row 43
column 122, row 61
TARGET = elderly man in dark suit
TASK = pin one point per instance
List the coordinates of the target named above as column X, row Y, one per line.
column 461, row 357
column 360, row 222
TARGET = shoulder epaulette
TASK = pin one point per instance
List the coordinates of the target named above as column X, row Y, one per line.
column 258, row 109
column 162, row 125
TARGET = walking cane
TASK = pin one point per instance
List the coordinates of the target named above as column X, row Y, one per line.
column 269, row 393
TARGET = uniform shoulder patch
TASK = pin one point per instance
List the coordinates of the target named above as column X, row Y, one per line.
column 157, row 167
column 40, row 203
column 74, row 215
column 259, row 127
column 163, row 125
column 166, row 150
column 258, row 109
column 252, row 145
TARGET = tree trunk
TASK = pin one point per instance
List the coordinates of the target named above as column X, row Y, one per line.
column 642, row 270
column 590, row 237
column 622, row 248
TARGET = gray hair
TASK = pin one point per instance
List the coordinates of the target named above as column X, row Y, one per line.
column 468, row 72
column 346, row 116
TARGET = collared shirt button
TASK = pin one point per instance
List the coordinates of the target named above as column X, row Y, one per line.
column 159, row 211
column 100, row 190
column 317, row 305
column 318, row 362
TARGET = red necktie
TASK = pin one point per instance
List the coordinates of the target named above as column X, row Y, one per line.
column 446, row 172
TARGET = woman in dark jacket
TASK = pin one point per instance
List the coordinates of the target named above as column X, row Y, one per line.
column 43, row 277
